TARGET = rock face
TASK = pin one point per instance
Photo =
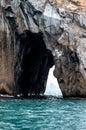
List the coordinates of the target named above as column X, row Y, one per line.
column 29, row 32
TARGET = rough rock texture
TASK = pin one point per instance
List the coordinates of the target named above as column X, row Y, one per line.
column 64, row 33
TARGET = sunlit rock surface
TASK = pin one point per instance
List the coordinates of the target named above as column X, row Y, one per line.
column 64, row 33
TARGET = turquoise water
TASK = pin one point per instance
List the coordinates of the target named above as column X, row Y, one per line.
column 25, row 114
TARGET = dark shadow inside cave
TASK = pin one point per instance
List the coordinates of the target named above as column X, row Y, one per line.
column 33, row 64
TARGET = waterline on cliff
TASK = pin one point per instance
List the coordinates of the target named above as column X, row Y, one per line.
column 52, row 87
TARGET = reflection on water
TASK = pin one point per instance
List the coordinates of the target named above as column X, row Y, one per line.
column 52, row 87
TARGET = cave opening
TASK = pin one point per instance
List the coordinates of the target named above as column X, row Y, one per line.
column 34, row 61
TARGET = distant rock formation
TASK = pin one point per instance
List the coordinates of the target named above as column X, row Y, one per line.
column 63, row 32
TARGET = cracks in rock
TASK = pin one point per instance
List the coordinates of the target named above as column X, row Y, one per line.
column 77, row 3
column 31, row 12
column 25, row 15
column 9, row 9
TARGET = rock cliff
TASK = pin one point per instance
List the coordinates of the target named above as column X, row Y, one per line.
column 32, row 35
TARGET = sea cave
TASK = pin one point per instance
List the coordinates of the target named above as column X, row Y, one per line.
column 34, row 61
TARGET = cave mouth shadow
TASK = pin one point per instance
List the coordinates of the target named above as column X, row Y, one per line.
column 33, row 64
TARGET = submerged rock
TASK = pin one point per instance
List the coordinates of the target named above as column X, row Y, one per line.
column 24, row 62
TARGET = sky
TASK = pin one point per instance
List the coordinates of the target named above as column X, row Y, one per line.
column 52, row 87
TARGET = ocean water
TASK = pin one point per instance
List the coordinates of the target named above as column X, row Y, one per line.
column 42, row 114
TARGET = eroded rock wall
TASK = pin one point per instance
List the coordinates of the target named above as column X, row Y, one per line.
column 64, row 33
column 7, row 45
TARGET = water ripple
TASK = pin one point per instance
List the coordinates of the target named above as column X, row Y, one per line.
column 42, row 114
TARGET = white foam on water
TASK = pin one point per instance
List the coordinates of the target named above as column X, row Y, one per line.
column 52, row 87
column 2, row 95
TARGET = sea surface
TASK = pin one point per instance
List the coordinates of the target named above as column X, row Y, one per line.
column 43, row 114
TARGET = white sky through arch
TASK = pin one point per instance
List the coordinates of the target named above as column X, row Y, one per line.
column 52, row 87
